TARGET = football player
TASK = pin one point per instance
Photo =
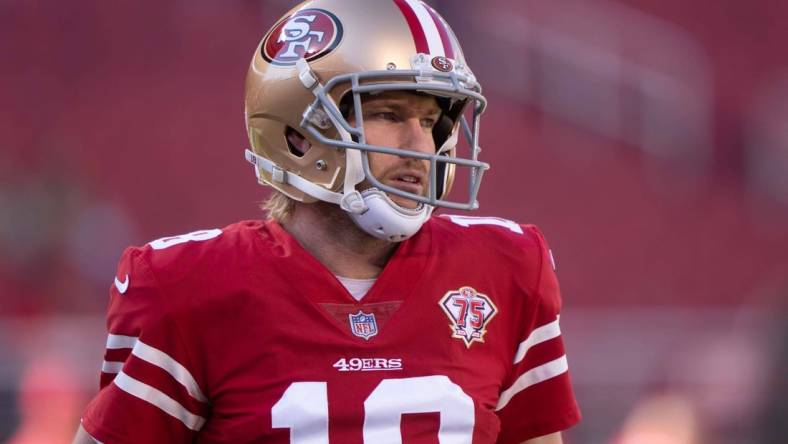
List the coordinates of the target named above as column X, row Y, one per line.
column 352, row 315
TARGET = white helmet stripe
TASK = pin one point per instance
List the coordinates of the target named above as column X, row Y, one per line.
column 428, row 25
column 446, row 34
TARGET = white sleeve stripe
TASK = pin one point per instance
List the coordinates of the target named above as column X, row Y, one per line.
column 91, row 436
column 171, row 366
column 120, row 341
column 157, row 398
column 539, row 335
column 111, row 366
column 155, row 357
column 531, row 377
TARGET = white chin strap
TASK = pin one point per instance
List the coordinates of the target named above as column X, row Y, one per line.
column 372, row 210
column 386, row 220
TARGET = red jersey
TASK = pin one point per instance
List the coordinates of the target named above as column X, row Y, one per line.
column 240, row 336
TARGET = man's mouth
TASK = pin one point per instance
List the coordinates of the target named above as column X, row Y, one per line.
column 408, row 182
column 409, row 179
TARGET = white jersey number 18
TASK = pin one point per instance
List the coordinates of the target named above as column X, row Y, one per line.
column 303, row 409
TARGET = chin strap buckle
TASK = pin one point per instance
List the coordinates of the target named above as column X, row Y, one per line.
column 305, row 74
column 353, row 202
column 278, row 175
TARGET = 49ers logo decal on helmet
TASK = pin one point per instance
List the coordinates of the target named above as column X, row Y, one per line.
column 442, row 64
column 308, row 34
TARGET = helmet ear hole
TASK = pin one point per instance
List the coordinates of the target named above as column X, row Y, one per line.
column 296, row 143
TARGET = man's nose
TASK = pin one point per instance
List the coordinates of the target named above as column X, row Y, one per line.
column 417, row 138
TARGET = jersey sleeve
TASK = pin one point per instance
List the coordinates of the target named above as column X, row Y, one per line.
column 537, row 397
column 148, row 389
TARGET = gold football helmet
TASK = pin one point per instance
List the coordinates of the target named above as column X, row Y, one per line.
column 309, row 74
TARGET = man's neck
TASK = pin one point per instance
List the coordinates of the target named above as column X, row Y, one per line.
column 328, row 233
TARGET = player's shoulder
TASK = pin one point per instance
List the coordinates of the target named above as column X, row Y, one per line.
column 169, row 276
column 502, row 248
column 493, row 240
column 495, row 232
column 195, row 251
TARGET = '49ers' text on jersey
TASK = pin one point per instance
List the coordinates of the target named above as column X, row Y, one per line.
column 240, row 336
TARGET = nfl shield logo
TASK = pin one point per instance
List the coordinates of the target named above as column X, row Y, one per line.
column 363, row 325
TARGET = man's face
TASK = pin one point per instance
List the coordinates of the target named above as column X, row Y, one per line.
column 404, row 120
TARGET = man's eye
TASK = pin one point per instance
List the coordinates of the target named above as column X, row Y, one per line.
column 428, row 123
column 385, row 116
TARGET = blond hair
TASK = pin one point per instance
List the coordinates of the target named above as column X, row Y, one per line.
column 278, row 206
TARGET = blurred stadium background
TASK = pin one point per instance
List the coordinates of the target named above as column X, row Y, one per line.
column 647, row 138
